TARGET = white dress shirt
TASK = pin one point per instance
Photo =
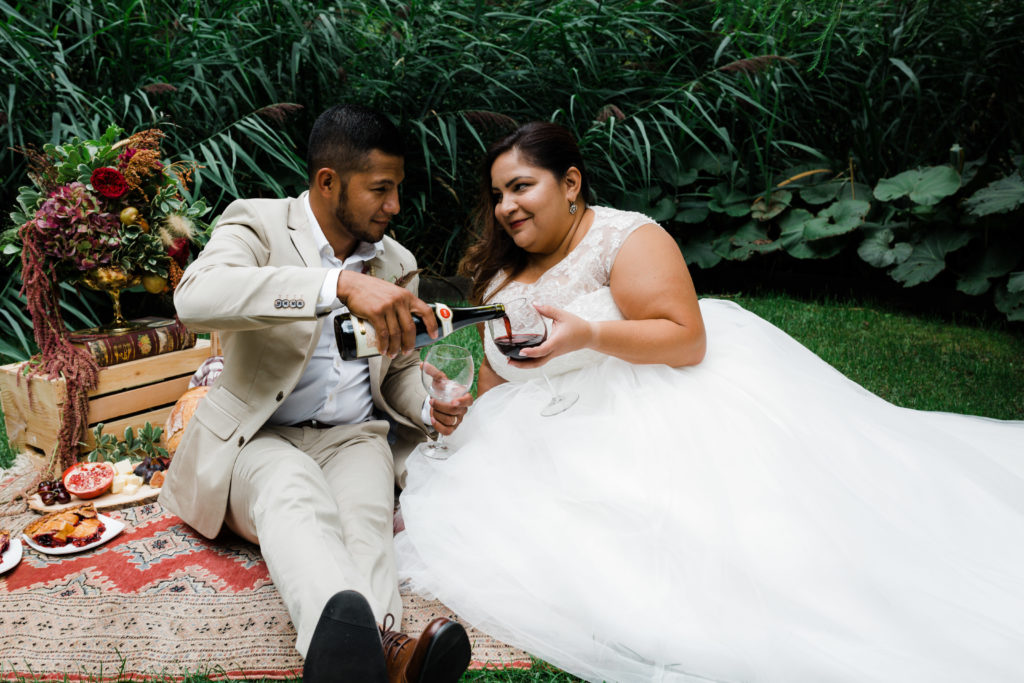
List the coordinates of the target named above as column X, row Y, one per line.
column 333, row 391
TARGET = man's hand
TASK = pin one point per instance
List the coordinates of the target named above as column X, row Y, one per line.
column 445, row 416
column 388, row 308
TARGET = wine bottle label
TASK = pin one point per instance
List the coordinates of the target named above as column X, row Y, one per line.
column 444, row 315
column 366, row 338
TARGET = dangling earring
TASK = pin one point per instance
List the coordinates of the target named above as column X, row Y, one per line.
column 572, row 208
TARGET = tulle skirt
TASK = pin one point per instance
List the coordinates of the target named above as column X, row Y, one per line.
column 758, row 517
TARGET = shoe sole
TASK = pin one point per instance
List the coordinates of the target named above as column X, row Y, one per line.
column 447, row 656
column 348, row 642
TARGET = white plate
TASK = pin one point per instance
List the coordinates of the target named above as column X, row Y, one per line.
column 11, row 557
column 113, row 528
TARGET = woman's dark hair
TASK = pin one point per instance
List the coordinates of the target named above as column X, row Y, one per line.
column 343, row 135
column 545, row 145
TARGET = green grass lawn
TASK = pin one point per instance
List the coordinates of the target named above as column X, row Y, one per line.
column 914, row 361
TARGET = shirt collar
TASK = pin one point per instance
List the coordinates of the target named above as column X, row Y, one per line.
column 365, row 251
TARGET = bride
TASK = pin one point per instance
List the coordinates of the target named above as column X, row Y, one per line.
column 720, row 504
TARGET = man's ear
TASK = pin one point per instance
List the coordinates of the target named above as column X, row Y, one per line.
column 572, row 182
column 325, row 182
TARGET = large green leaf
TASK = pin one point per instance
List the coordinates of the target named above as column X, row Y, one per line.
column 927, row 186
column 1015, row 283
column 766, row 209
column 698, row 250
column 994, row 260
column 732, row 202
column 1000, row 196
column 648, row 203
column 751, row 238
column 795, row 225
column 669, row 171
column 928, row 258
column 840, row 218
column 1010, row 303
column 823, row 193
column 691, row 212
column 663, row 210
column 875, row 249
column 640, row 200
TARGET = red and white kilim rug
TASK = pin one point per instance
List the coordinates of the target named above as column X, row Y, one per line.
column 159, row 600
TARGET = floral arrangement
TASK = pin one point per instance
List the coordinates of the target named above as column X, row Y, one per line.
column 107, row 214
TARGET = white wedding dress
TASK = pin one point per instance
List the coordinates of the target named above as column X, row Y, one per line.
column 757, row 517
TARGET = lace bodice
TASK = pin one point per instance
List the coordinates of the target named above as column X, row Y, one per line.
column 579, row 283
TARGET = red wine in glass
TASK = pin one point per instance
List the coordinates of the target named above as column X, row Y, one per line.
column 530, row 331
column 510, row 345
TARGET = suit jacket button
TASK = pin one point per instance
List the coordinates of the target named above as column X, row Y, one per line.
column 280, row 395
column 241, row 440
column 277, row 303
column 301, row 303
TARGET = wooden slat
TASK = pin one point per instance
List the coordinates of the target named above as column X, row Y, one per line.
column 146, row 370
column 131, row 400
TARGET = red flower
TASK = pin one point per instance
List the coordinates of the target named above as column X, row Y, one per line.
column 108, row 182
column 124, row 157
column 179, row 251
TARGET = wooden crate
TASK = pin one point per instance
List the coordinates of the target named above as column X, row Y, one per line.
column 127, row 395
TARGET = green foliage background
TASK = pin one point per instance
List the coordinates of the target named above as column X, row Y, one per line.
column 700, row 114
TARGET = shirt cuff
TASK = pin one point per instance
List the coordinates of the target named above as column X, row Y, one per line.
column 328, row 299
column 425, row 413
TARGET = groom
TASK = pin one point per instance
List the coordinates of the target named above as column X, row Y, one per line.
column 295, row 449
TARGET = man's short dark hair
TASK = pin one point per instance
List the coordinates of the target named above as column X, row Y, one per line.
column 343, row 135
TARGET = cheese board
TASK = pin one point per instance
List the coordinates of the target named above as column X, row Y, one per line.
column 108, row 501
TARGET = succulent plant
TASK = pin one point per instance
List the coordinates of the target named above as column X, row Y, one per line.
column 141, row 252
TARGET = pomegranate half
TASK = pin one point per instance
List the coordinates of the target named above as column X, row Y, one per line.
column 89, row 479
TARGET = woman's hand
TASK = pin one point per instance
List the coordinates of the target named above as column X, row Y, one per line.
column 568, row 333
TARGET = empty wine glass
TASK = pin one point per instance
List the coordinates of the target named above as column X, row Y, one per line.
column 523, row 328
column 447, row 373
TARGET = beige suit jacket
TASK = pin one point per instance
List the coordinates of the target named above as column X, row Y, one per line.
column 256, row 282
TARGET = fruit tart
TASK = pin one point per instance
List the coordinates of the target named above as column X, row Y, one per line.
column 76, row 526
column 5, row 540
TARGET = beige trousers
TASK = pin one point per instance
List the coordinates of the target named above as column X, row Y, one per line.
column 320, row 504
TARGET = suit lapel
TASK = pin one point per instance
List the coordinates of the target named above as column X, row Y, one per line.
column 301, row 232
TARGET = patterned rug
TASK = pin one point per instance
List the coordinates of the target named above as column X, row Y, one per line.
column 158, row 600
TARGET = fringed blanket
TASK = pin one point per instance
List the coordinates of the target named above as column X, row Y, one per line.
column 158, row 600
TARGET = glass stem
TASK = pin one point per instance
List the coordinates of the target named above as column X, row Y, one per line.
column 551, row 387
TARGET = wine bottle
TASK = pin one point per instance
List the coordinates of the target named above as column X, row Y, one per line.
column 356, row 338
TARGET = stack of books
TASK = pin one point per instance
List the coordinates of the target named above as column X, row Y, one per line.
column 154, row 336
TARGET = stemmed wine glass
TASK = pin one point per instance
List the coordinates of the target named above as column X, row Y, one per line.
column 447, row 374
column 523, row 328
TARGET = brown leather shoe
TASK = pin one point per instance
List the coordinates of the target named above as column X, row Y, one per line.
column 440, row 655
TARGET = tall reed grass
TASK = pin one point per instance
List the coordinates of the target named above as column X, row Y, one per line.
column 684, row 110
